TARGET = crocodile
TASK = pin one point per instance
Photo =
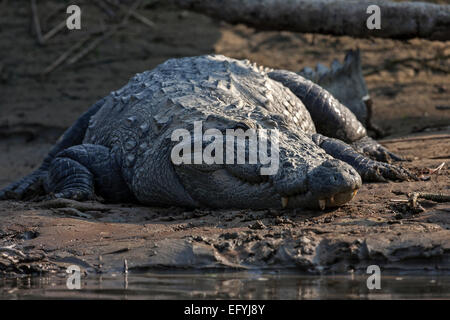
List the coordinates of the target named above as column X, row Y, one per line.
column 119, row 150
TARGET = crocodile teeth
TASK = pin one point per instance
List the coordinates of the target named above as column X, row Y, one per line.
column 284, row 202
column 322, row 204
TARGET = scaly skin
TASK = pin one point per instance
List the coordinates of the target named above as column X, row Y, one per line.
column 344, row 81
column 120, row 148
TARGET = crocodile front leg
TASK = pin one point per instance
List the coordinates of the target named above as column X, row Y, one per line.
column 374, row 150
column 370, row 170
column 80, row 172
column 331, row 117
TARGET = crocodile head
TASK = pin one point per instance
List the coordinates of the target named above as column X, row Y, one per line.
column 298, row 174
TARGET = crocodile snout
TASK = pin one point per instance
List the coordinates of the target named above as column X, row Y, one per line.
column 331, row 184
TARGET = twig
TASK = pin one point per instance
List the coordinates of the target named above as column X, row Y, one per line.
column 105, row 36
column 398, row 200
column 413, row 196
column 104, row 6
column 437, row 169
column 440, row 157
column 11, row 250
column 130, row 11
column 143, row 19
column 64, row 56
column 37, row 25
column 436, row 197
column 54, row 31
column 431, row 171
column 91, row 46
column 80, row 44
column 125, row 266
column 134, row 14
column 412, row 199
column 55, row 12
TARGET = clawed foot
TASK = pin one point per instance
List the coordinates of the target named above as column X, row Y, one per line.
column 27, row 187
column 74, row 194
column 380, row 169
column 31, row 186
column 376, row 171
column 375, row 151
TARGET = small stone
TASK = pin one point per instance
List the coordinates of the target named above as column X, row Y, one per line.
column 305, row 240
column 224, row 246
column 198, row 238
column 258, row 225
column 398, row 216
column 230, row 235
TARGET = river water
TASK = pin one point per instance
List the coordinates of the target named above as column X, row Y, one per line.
column 235, row 285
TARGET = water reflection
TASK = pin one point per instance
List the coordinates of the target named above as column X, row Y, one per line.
column 241, row 285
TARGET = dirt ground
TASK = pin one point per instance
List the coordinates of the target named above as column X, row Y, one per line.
column 409, row 83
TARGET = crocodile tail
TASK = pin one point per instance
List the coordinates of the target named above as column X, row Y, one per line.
column 344, row 81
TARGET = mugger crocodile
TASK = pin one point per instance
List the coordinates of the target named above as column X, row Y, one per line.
column 120, row 148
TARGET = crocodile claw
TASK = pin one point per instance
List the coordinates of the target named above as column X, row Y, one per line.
column 75, row 194
column 375, row 151
column 382, row 172
column 26, row 187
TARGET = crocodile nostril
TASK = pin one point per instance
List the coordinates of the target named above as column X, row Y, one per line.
column 331, row 178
